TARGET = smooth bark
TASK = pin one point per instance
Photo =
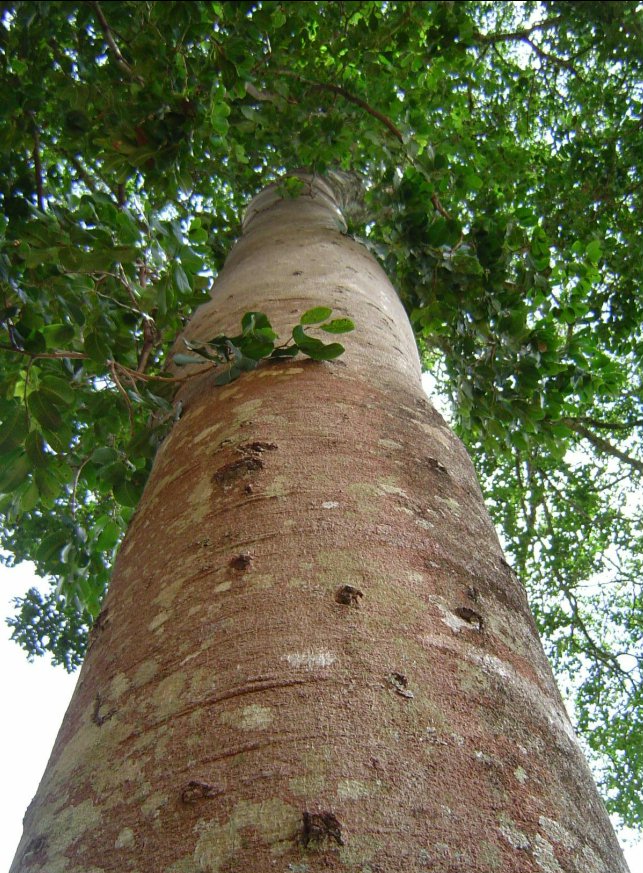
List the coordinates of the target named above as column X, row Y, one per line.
column 313, row 655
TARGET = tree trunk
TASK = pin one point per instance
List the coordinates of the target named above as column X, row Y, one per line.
column 313, row 655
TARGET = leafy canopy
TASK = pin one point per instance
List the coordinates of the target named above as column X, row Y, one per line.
column 500, row 144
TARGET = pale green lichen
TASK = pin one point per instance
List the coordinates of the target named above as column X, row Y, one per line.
column 249, row 718
column 389, row 444
column 280, row 486
column 125, row 839
column 275, row 823
column 166, row 696
column 543, row 854
column 308, row 785
column 521, row 775
column 119, row 685
column 360, row 850
column 512, row 834
column 158, row 621
column 354, row 789
column 168, row 592
column 145, row 672
column 151, row 807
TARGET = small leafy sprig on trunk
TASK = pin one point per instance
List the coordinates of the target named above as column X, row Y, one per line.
column 256, row 342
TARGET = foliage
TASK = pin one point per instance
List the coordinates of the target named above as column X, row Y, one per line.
column 500, row 147
column 239, row 354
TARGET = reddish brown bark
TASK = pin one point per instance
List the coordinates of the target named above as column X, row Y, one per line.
column 313, row 655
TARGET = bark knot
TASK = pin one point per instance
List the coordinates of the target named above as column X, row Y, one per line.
column 198, row 789
column 319, row 828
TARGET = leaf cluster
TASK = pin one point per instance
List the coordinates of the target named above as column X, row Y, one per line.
column 240, row 354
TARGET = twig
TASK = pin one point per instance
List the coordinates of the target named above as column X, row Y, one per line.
column 435, row 200
column 150, row 339
column 37, row 163
column 552, row 59
column 82, row 173
column 145, row 377
column 109, row 38
column 51, row 355
column 352, row 98
column 112, row 366
column 72, row 502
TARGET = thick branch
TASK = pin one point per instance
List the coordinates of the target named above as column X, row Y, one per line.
column 353, row 98
column 515, row 35
column 604, row 446
column 111, row 42
column 604, row 425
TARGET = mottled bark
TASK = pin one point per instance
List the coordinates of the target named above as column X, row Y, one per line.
column 313, row 655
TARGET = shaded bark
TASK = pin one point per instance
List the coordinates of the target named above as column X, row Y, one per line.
column 313, row 655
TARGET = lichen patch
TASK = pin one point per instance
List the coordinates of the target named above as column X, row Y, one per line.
column 353, row 789
column 250, row 718
column 274, row 821
column 310, row 660
column 125, row 839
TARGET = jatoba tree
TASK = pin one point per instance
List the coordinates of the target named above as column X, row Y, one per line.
column 499, row 148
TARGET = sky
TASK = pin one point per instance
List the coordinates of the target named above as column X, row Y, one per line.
column 36, row 697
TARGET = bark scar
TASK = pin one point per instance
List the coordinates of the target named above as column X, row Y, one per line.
column 320, row 827
column 199, row 789
column 97, row 718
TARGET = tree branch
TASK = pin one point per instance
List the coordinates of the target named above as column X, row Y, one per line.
column 552, row 59
column 516, row 35
column 111, row 42
column 604, row 446
column 352, row 98
column 605, row 425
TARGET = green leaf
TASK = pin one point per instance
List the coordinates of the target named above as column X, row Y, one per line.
column 184, row 360
column 315, row 315
column 594, row 251
column 228, row 375
column 58, row 389
column 96, row 347
column 51, row 546
column 339, row 325
column 43, row 408
column 14, row 426
column 58, row 335
column 285, row 352
column 181, row 280
column 104, row 455
column 16, row 468
column 35, row 448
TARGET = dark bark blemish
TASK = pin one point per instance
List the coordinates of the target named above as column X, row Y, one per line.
column 97, row 718
column 297, row 272
column 434, row 464
column 198, row 789
column 257, row 448
column 348, row 595
column 400, row 683
column 241, row 562
column 319, row 828
column 101, row 622
column 470, row 616
column 227, row 474
column 35, row 851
